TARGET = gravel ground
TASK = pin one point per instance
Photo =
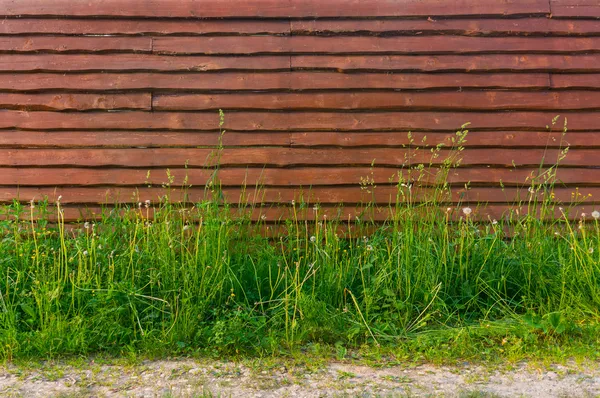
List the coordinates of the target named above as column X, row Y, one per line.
column 188, row 378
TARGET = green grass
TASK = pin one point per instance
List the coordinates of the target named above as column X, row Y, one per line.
column 429, row 283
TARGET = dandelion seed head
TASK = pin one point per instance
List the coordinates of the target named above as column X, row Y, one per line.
column 85, row 253
column 263, row 217
column 86, row 225
column 313, row 239
column 596, row 214
column 494, row 222
column 369, row 248
column 591, row 250
column 467, row 211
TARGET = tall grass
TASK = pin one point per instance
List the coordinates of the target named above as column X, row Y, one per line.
column 163, row 276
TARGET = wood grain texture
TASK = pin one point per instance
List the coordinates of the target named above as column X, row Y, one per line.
column 285, row 157
column 271, row 8
column 133, row 139
column 381, row 195
column 449, row 63
column 59, row 44
column 288, row 121
column 305, row 177
column 373, row 45
column 140, row 101
column 575, row 8
column 447, row 100
column 138, row 62
column 76, row 26
column 540, row 26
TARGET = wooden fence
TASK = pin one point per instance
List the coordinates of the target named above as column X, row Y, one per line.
column 99, row 98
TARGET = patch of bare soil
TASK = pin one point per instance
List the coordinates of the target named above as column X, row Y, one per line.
column 188, row 378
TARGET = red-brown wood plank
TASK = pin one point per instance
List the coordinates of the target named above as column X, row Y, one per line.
column 138, row 62
column 575, row 8
column 284, row 157
column 474, row 139
column 266, row 81
column 73, row 44
column 584, row 81
column 468, row 27
column 473, row 63
column 295, row 177
column 131, row 139
column 137, row 27
column 348, row 215
column 146, row 81
column 381, row 195
column 502, row 100
column 280, row 121
column 271, row 8
column 75, row 101
column 337, row 81
column 370, row 45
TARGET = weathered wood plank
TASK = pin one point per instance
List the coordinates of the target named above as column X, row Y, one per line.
column 145, row 81
column 474, row 139
column 338, row 81
column 74, row 44
column 583, row 81
column 138, row 62
column 448, row 100
column 450, row 63
column 138, row 27
column 373, row 45
column 271, row 8
column 347, row 214
column 285, row 157
column 284, row 121
column 273, row 177
column 75, row 101
column 131, row 139
column 468, row 27
column 575, row 8
column 381, row 195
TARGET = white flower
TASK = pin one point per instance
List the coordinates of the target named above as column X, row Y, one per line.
column 467, row 211
column 369, row 248
column 596, row 214
column 85, row 252
column 313, row 239
column 86, row 225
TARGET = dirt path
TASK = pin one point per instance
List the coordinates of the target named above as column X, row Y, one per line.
column 187, row 378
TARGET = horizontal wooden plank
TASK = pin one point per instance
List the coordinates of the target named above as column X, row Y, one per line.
column 138, row 62
column 284, row 121
column 145, row 81
column 74, row 44
column 75, row 101
column 166, row 139
column 373, row 45
column 584, row 81
column 348, row 215
column 575, row 8
column 267, row 81
column 450, row 63
column 382, row 81
column 137, row 27
column 271, row 8
column 294, row 177
column 285, row 157
column 468, row 27
column 502, row 100
column 381, row 195
column 131, row 139
column 474, row 139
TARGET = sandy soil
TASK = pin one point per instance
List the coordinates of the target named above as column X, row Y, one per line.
column 187, row 378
